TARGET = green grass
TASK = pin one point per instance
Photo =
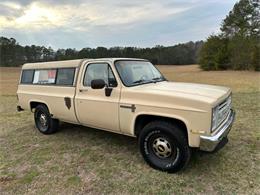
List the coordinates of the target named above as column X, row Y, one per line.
column 74, row 180
column 83, row 160
column 29, row 177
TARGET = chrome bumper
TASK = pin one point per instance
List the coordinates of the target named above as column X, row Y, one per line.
column 210, row 143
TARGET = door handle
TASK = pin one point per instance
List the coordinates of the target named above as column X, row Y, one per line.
column 83, row 90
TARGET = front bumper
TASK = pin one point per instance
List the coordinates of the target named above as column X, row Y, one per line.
column 210, row 143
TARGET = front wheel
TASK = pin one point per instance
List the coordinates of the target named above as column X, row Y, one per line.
column 164, row 146
column 43, row 121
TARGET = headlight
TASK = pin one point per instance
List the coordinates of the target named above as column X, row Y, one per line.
column 214, row 123
column 220, row 113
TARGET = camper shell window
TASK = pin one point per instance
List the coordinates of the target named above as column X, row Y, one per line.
column 65, row 76
column 58, row 76
column 44, row 76
column 27, row 76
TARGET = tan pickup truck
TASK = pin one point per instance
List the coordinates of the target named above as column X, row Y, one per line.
column 130, row 97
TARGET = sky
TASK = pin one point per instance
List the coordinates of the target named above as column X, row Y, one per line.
column 108, row 23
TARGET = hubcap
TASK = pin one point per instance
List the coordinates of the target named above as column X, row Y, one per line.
column 162, row 147
column 43, row 120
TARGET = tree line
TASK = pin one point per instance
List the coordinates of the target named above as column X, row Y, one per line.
column 13, row 54
column 238, row 45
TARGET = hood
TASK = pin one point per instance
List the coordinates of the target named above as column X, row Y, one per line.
column 187, row 89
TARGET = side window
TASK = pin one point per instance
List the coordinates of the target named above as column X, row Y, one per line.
column 44, row 76
column 99, row 71
column 65, row 76
column 27, row 76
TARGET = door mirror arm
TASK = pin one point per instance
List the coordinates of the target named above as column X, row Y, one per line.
column 108, row 90
column 100, row 84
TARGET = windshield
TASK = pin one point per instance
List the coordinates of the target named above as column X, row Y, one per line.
column 138, row 72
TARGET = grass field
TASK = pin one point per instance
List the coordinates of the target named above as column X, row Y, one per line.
column 79, row 160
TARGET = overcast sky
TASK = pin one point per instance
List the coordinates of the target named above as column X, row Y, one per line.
column 92, row 23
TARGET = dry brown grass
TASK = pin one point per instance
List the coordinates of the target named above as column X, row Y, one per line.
column 80, row 160
column 9, row 78
column 236, row 80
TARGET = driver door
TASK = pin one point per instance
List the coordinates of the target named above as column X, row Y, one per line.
column 94, row 108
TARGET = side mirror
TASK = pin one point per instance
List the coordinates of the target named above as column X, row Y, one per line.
column 98, row 84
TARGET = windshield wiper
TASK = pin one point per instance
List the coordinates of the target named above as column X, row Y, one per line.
column 158, row 79
column 154, row 80
column 139, row 81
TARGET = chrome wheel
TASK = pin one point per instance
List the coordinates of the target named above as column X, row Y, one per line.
column 43, row 120
column 162, row 147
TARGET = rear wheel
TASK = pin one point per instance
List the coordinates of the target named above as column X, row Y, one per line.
column 164, row 146
column 43, row 121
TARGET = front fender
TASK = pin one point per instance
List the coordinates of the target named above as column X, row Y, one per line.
column 181, row 115
column 158, row 114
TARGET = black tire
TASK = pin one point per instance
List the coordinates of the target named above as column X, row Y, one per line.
column 164, row 146
column 43, row 121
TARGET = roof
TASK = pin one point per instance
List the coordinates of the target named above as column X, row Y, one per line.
column 56, row 64
column 68, row 63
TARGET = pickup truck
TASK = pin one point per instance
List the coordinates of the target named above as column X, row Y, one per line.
column 130, row 97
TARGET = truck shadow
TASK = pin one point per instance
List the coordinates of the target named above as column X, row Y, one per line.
column 117, row 144
column 99, row 137
column 71, row 129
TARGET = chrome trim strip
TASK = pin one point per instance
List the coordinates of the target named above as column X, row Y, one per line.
column 132, row 107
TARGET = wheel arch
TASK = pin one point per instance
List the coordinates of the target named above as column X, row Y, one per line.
column 143, row 119
column 34, row 103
